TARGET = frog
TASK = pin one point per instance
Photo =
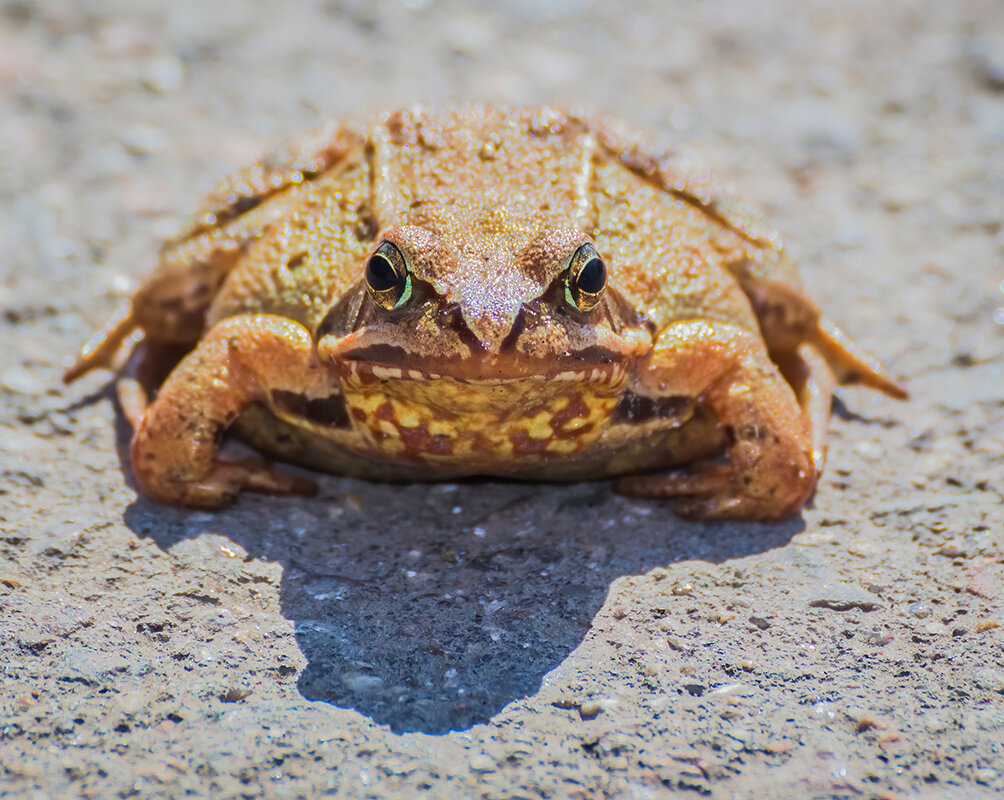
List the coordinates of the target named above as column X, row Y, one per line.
column 434, row 293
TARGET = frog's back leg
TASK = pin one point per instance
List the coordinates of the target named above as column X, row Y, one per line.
column 170, row 307
column 754, row 254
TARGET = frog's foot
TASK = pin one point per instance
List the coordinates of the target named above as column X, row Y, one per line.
column 709, row 490
column 691, row 489
column 769, row 469
column 227, row 479
column 852, row 364
column 100, row 350
column 238, row 363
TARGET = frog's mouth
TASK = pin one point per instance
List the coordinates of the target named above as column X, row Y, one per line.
column 372, row 364
column 479, row 411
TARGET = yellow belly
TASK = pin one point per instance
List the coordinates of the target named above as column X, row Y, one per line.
column 441, row 428
column 444, row 422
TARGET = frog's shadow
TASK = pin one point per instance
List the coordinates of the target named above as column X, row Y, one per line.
column 430, row 607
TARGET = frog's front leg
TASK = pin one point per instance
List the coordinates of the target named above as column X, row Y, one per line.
column 236, row 364
column 768, row 471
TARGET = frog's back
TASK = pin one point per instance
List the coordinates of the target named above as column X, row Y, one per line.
column 288, row 234
column 297, row 264
column 482, row 176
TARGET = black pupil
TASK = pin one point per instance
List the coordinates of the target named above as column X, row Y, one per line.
column 380, row 275
column 592, row 276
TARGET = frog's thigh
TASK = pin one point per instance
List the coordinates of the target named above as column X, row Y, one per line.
column 236, row 364
column 769, row 472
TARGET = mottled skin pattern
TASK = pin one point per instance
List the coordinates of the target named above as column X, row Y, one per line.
column 700, row 372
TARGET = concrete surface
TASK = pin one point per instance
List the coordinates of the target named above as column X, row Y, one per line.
column 508, row 640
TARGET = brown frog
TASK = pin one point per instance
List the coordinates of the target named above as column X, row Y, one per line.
column 436, row 293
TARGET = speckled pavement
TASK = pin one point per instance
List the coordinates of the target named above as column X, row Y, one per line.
column 507, row 640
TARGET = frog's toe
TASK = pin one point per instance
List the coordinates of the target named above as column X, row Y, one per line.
column 101, row 349
column 228, row 478
column 254, row 475
column 702, row 492
column 704, row 480
column 727, row 505
column 713, row 491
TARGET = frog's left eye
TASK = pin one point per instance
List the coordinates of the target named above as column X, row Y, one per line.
column 586, row 278
column 387, row 276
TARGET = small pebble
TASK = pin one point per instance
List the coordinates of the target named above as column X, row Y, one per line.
column 353, row 501
column 234, row 695
column 934, row 724
column 920, row 610
column 865, row 719
column 877, row 638
column 868, row 723
column 728, row 689
column 989, row 679
column 871, row 450
column 482, row 763
column 144, row 139
column 987, row 775
column 864, row 548
column 985, row 719
column 842, row 597
column 590, row 709
column 362, row 684
column 164, row 75
column 22, row 381
column 815, row 538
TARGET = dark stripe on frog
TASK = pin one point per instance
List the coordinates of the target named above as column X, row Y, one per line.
column 246, row 190
column 636, row 408
column 330, row 411
column 659, row 171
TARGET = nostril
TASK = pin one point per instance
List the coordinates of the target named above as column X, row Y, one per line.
column 509, row 343
column 450, row 314
column 452, row 318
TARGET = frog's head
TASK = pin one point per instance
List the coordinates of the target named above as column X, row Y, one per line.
column 482, row 324
column 500, row 302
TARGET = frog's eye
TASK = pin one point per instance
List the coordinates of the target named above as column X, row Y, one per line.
column 585, row 279
column 387, row 277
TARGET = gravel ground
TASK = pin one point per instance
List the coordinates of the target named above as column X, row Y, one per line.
column 512, row 640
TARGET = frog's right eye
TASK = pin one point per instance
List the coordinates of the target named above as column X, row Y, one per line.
column 387, row 277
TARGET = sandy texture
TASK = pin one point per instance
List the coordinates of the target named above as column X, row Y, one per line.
column 509, row 640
